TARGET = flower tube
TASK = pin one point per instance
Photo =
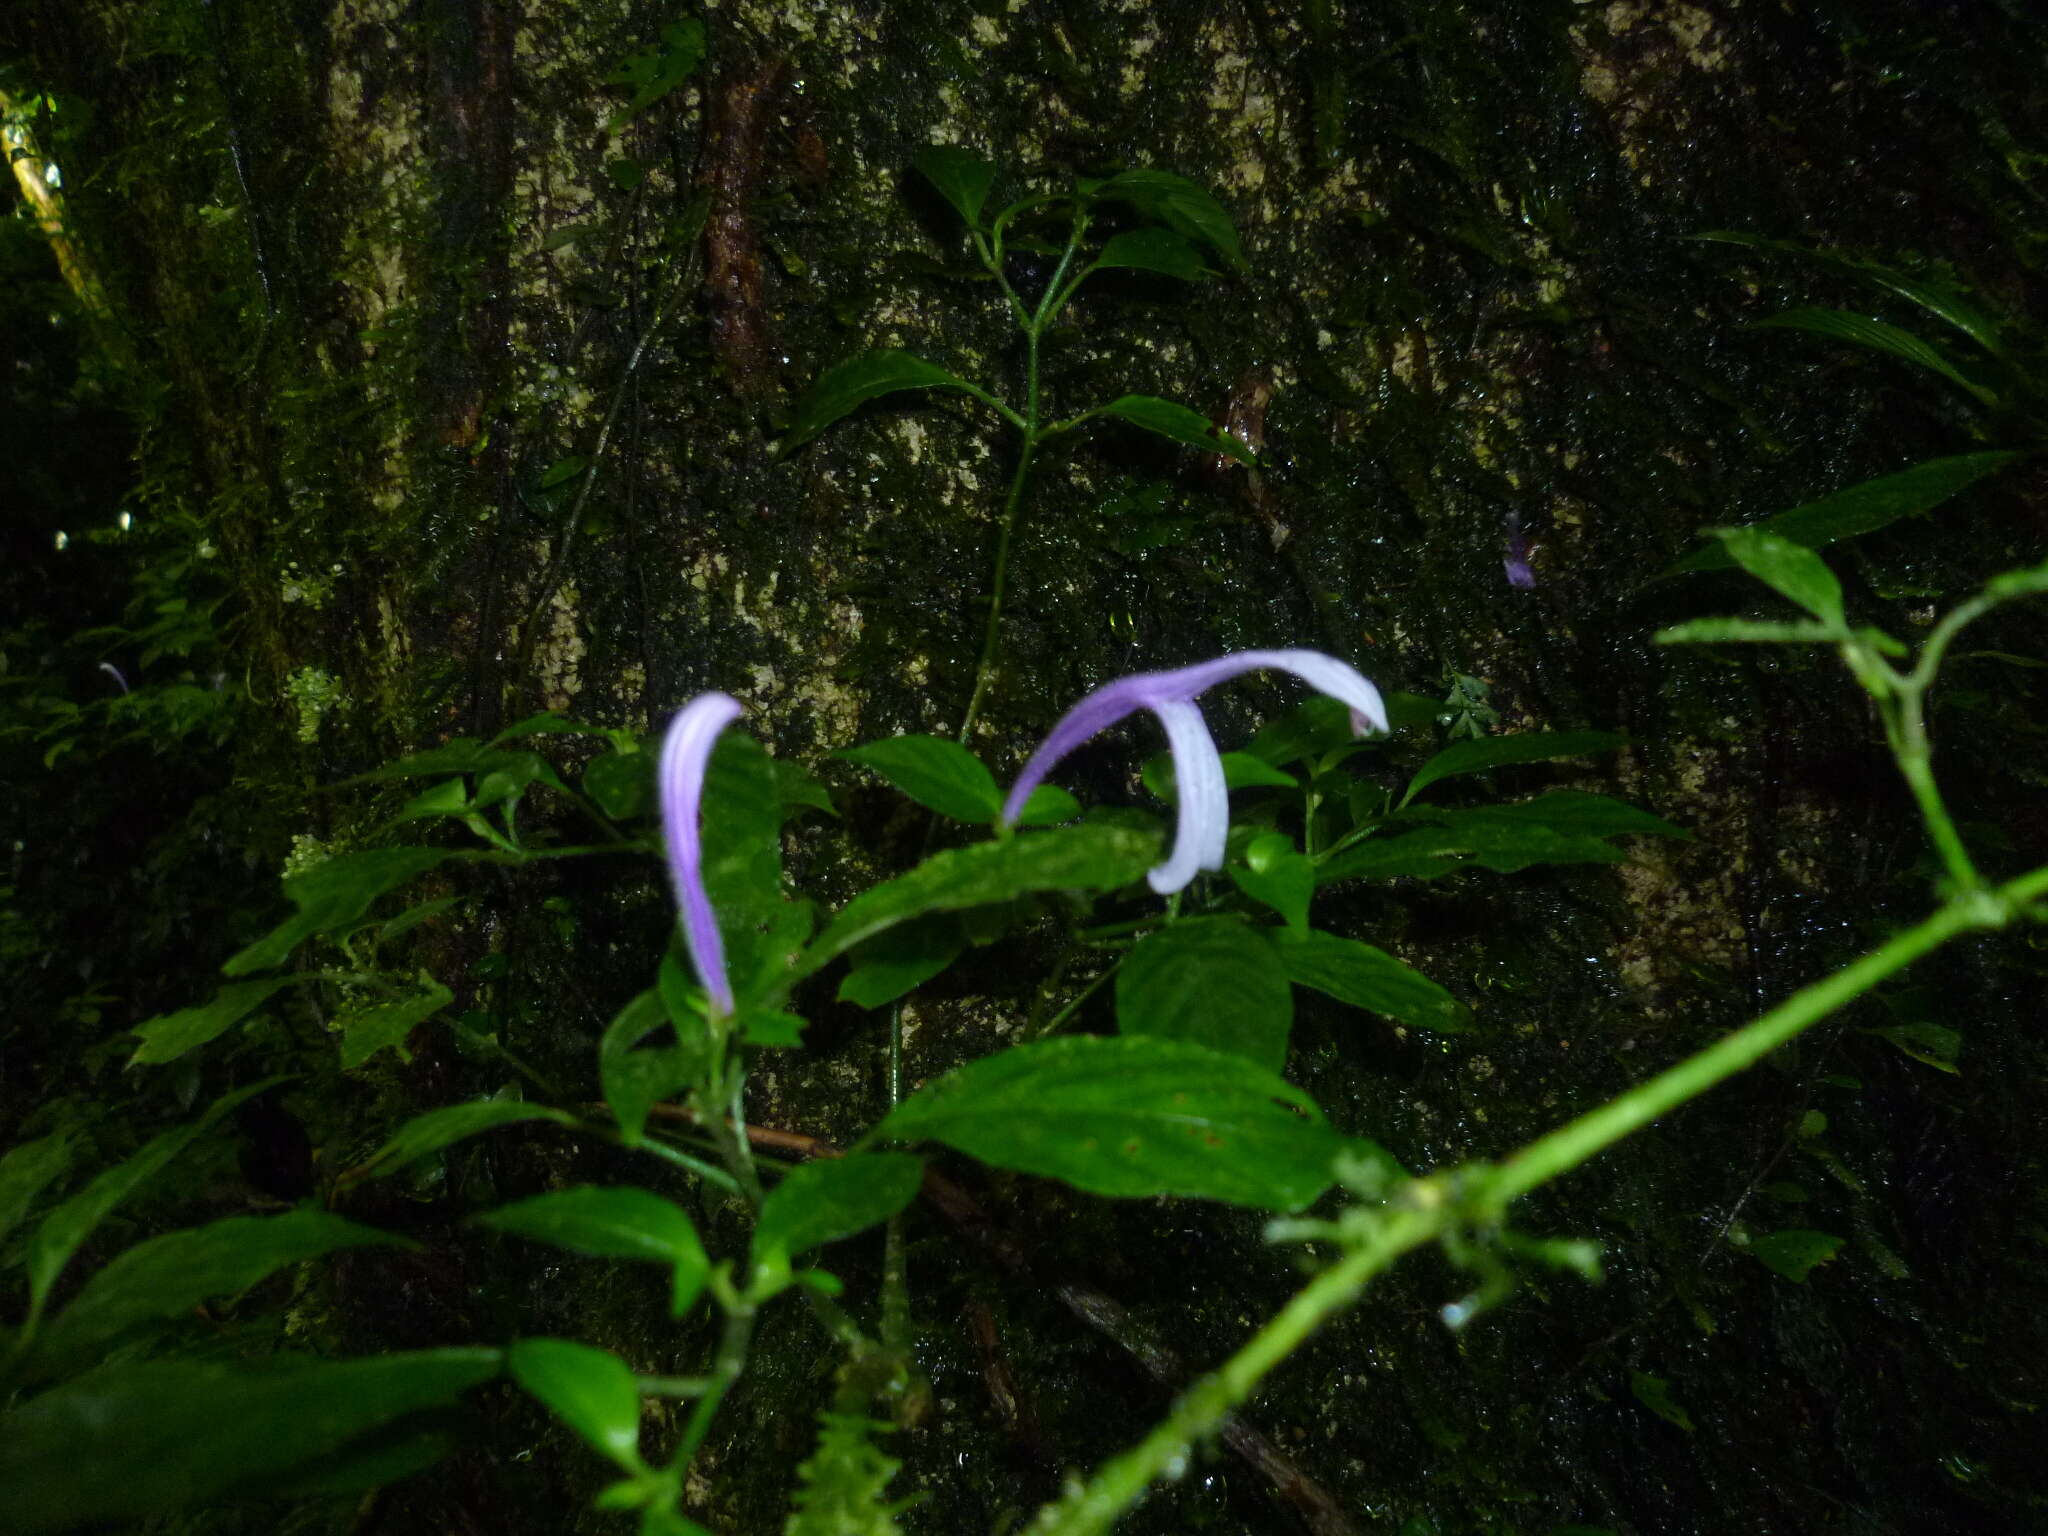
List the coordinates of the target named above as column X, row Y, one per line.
column 1203, row 825
column 685, row 758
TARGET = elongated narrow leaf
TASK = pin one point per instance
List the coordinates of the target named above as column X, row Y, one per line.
column 66, row 1227
column 858, row 380
column 590, row 1390
column 1504, row 751
column 742, row 821
column 370, row 1030
column 333, row 894
column 1863, row 508
column 1131, row 1116
column 1089, row 857
column 906, row 956
column 939, row 775
column 962, row 177
column 1746, row 631
column 833, row 1197
column 1369, row 978
column 26, row 1171
column 171, row 1035
column 1210, row 980
column 437, row 1129
column 621, row 1223
column 1790, row 569
column 1152, row 250
column 1419, row 855
column 144, row 1441
column 1878, row 336
column 1179, row 424
column 172, row 1274
column 1508, row 843
column 1181, row 205
column 1576, row 812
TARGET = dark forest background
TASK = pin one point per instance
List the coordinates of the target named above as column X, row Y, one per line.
column 329, row 293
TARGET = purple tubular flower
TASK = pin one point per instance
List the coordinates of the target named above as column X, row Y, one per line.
column 685, row 757
column 1204, row 820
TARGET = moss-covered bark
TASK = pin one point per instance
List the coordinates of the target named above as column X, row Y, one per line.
column 397, row 276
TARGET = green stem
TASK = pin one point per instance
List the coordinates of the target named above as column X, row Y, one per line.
column 992, row 635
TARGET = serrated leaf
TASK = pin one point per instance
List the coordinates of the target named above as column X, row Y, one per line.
column 371, row 1030
column 592, row 1391
column 1745, row 631
column 171, row 1035
column 143, row 1441
column 831, row 1198
column 437, row 1129
column 1090, row 857
column 1181, row 205
column 1790, row 569
column 1177, row 423
column 1210, row 980
column 858, row 380
column 614, row 1223
column 962, row 178
column 169, row 1275
column 1152, row 250
column 939, row 775
column 1863, row 508
column 333, row 894
column 1369, row 978
column 1131, row 1116
column 1504, row 751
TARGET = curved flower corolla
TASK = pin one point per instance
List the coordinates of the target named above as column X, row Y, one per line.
column 685, row 757
column 1204, row 820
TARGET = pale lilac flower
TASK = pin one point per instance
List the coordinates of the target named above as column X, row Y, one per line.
column 1521, row 575
column 685, row 757
column 1204, row 819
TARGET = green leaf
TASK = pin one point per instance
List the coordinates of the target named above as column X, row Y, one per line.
column 939, row 775
column 1878, row 336
column 1795, row 1252
column 1048, row 805
column 1745, row 631
column 1421, row 855
column 26, row 1171
column 172, row 1274
column 592, row 1391
column 1181, row 205
column 858, row 380
column 1241, row 770
column 413, row 916
column 1177, row 423
column 1503, row 751
column 1580, row 814
column 1284, row 880
column 796, row 788
column 64, row 1230
column 1935, row 1045
column 1654, row 1393
column 907, row 956
column 1152, row 250
column 426, row 1134
column 1131, row 1116
column 141, row 1442
column 333, row 894
column 1210, row 980
column 171, row 1035
column 621, row 784
column 654, row 72
column 620, row 1223
column 962, row 177
column 742, row 821
column 366, row 1033
column 1863, row 508
column 1090, row 857
column 1320, row 725
column 1790, row 569
column 831, row 1198
column 1509, row 843
column 1369, row 978
column 635, row 1080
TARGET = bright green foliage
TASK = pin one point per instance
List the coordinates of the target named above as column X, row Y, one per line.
column 591, row 1391
column 839, row 1489
column 1213, row 981
column 832, row 1198
column 614, row 1224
